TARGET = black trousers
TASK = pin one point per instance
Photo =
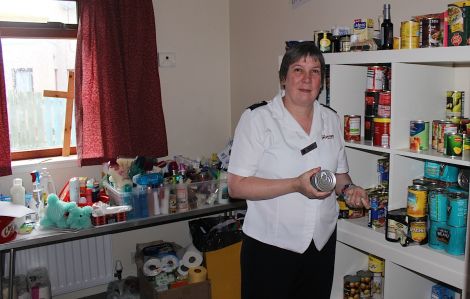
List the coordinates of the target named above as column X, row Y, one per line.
column 269, row 272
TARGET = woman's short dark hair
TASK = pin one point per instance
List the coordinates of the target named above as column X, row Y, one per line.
column 298, row 51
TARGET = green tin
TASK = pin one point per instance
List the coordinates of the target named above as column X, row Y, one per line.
column 453, row 144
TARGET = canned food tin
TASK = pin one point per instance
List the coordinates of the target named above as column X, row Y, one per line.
column 383, row 166
column 396, row 42
column 409, row 28
column 454, row 103
column 438, row 204
column 396, row 227
column 444, row 127
column 384, row 105
column 375, row 264
column 463, row 124
column 448, row 173
column 435, row 131
column 453, row 144
column 324, row 180
column 418, row 229
column 420, row 182
column 438, row 235
column 369, row 128
column 463, row 178
column 456, row 240
column 431, row 35
column 457, row 209
column 381, row 132
column 376, row 217
column 417, row 201
column 409, row 42
column 352, row 128
column 419, row 135
column 371, row 102
column 378, row 199
column 376, row 77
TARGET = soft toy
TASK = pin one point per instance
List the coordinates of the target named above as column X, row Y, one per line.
column 56, row 212
column 119, row 173
column 80, row 218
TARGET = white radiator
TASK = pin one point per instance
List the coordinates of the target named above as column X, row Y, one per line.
column 72, row 265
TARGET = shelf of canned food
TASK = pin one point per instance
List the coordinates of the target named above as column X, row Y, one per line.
column 439, row 265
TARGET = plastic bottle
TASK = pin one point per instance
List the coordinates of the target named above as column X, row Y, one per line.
column 223, row 197
column 182, row 196
column 36, row 204
column 17, row 193
column 386, row 30
column 47, row 184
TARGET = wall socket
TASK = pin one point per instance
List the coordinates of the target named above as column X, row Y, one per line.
column 167, row 59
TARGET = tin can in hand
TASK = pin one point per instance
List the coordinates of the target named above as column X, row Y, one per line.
column 324, row 180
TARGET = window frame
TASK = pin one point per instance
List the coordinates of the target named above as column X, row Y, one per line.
column 40, row 30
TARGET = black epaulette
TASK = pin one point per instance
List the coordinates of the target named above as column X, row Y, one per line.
column 329, row 108
column 254, row 106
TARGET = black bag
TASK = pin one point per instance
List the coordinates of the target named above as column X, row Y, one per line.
column 212, row 233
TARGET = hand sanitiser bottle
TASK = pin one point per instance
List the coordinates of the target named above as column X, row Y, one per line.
column 17, row 193
column 36, row 204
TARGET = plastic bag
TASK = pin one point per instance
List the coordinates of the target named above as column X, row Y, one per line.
column 213, row 233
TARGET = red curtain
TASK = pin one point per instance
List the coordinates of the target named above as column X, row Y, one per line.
column 5, row 155
column 118, row 101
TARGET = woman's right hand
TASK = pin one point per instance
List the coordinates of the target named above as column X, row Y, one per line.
column 305, row 186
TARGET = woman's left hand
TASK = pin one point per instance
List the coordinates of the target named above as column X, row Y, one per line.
column 356, row 197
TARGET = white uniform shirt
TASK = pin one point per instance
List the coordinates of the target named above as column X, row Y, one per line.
column 267, row 144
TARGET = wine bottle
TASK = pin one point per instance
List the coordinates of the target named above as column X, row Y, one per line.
column 386, row 30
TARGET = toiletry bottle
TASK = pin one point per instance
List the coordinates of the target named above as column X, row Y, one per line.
column 37, row 205
column 47, row 184
column 182, row 196
column 17, row 193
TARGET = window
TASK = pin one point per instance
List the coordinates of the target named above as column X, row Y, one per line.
column 39, row 43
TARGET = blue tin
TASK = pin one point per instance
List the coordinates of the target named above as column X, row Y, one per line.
column 376, row 217
column 438, row 235
column 456, row 240
column 437, row 204
column 457, row 209
column 432, row 170
column 448, row 173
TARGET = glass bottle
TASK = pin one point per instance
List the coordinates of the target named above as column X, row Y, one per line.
column 386, row 30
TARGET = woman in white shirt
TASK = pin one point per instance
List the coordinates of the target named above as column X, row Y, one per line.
column 290, row 227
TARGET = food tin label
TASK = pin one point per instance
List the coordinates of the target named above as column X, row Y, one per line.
column 434, row 134
column 438, row 205
column 416, row 201
column 457, row 210
column 384, row 105
column 381, row 132
column 371, row 102
column 418, row 230
column 431, row 34
column 438, row 235
column 456, row 240
column 352, row 128
column 376, row 217
column 375, row 264
column 396, row 227
column 454, row 103
column 419, row 135
column 369, row 128
column 409, row 28
column 453, row 144
column 432, row 170
column 444, row 127
column 376, row 76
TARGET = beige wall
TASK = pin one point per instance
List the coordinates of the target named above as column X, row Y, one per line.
column 258, row 30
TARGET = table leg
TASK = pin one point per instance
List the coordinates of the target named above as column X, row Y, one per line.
column 11, row 277
column 2, row 272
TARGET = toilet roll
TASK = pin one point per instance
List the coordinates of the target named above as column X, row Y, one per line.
column 197, row 274
column 152, row 267
column 191, row 257
column 182, row 270
column 169, row 262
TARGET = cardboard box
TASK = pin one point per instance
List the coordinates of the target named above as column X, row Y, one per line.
column 200, row 290
column 364, row 29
